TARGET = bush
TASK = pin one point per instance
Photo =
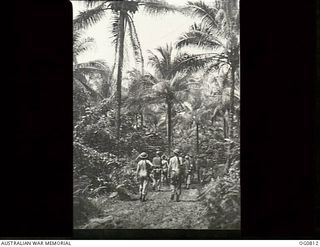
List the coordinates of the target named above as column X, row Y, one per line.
column 223, row 201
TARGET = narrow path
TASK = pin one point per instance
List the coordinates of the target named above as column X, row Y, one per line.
column 158, row 212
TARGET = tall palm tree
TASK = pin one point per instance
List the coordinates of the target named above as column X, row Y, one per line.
column 218, row 34
column 122, row 21
column 173, row 93
column 174, row 81
column 139, row 93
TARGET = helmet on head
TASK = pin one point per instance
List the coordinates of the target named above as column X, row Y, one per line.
column 158, row 152
column 187, row 157
column 143, row 155
column 164, row 157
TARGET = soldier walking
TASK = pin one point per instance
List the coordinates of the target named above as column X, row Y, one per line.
column 174, row 170
column 164, row 170
column 156, row 172
column 144, row 168
column 189, row 170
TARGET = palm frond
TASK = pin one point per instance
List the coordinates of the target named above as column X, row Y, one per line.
column 192, row 63
column 200, row 36
column 156, row 7
column 91, row 3
column 202, row 10
column 82, row 45
column 79, row 77
column 115, row 20
column 135, row 42
column 89, row 17
column 154, row 61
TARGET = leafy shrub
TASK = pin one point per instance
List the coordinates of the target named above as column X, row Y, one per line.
column 223, row 201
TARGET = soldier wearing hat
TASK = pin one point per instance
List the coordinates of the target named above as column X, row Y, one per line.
column 189, row 170
column 144, row 168
column 156, row 172
column 175, row 172
column 164, row 169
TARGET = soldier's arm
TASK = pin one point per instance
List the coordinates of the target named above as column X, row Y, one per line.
column 138, row 169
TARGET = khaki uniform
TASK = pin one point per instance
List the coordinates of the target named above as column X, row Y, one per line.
column 175, row 173
column 144, row 168
column 189, row 172
column 156, row 172
column 164, row 171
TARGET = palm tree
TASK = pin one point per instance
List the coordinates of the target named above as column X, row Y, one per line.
column 173, row 93
column 173, row 82
column 122, row 21
column 139, row 93
column 218, row 34
column 86, row 90
column 82, row 71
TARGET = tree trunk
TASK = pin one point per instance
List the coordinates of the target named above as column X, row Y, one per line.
column 197, row 136
column 231, row 115
column 119, row 75
column 225, row 128
column 238, row 125
column 141, row 119
column 169, row 106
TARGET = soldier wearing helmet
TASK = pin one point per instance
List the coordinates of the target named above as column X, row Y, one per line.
column 144, row 168
column 175, row 174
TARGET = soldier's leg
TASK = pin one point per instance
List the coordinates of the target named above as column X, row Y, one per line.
column 140, row 187
column 178, row 188
column 188, row 180
column 145, row 189
column 173, row 189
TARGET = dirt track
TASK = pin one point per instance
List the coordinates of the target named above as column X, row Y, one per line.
column 158, row 212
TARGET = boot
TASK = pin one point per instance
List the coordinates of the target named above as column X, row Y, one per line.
column 172, row 197
column 177, row 198
column 140, row 198
column 144, row 198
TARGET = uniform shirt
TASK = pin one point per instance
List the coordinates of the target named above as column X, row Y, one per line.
column 174, row 164
column 144, row 167
column 188, row 165
column 164, row 164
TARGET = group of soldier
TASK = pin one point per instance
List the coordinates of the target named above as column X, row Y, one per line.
column 174, row 171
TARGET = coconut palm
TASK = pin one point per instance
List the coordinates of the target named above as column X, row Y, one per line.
column 173, row 93
column 122, row 23
column 174, row 82
column 139, row 93
column 218, row 35
column 83, row 71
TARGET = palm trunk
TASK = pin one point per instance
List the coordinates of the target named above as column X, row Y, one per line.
column 238, row 125
column 225, row 128
column 169, row 106
column 119, row 75
column 197, row 136
column 232, row 102
column 141, row 119
column 231, row 114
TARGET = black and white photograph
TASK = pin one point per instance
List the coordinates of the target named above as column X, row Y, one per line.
column 156, row 114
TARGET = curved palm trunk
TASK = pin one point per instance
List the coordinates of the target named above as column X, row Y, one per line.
column 169, row 112
column 119, row 75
